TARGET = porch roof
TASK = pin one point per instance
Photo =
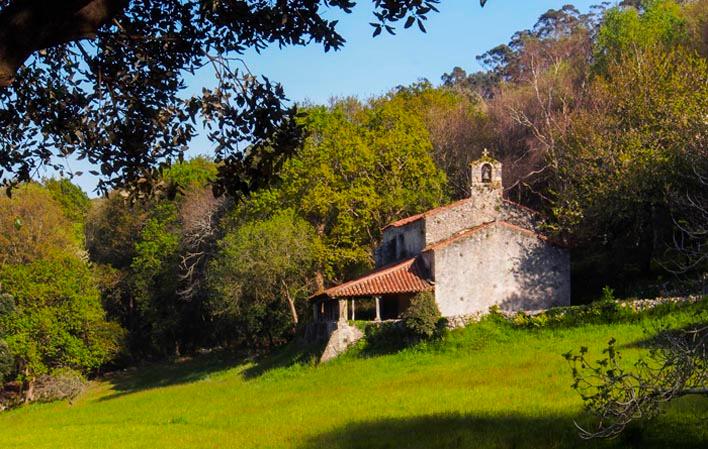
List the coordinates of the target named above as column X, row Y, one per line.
column 402, row 277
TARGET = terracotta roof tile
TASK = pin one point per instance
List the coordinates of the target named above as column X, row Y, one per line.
column 403, row 277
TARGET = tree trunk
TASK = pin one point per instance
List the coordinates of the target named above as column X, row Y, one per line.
column 29, row 386
column 291, row 303
column 319, row 277
column 27, row 26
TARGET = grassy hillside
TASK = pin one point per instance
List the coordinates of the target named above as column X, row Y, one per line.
column 487, row 386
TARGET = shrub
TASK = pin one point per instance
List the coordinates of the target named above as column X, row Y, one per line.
column 385, row 338
column 422, row 317
column 60, row 384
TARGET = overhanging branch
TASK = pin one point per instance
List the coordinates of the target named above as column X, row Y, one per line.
column 27, row 26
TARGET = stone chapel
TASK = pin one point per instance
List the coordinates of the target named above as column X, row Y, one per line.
column 472, row 254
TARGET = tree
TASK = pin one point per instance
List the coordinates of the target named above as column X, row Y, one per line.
column 103, row 80
column 50, row 309
column 616, row 395
column 361, row 167
column 630, row 29
column 261, row 277
column 57, row 320
column 422, row 317
column 151, row 256
column 7, row 360
column 74, row 203
column 33, row 226
column 457, row 126
column 632, row 152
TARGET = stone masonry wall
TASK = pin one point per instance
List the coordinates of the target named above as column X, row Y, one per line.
column 391, row 251
column 519, row 216
column 500, row 266
column 475, row 211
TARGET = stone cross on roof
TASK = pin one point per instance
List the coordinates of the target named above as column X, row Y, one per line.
column 485, row 153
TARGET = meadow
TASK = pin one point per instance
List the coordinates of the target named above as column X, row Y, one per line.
column 489, row 385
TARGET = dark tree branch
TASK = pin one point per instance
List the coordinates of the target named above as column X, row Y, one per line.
column 29, row 26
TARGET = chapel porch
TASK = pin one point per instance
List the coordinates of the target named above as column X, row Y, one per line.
column 383, row 294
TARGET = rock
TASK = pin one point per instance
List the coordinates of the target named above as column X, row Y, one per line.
column 341, row 339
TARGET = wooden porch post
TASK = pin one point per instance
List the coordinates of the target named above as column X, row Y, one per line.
column 353, row 310
column 378, row 307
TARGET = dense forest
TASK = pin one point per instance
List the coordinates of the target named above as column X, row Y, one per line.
column 600, row 119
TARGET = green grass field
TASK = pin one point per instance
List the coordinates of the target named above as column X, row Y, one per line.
column 486, row 386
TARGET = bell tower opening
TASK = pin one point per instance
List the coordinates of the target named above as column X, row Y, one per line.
column 486, row 173
column 486, row 177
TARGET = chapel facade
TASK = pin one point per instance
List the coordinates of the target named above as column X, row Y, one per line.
column 472, row 254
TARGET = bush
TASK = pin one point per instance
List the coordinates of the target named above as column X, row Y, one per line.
column 57, row 320
column 384, row 338
column 60, row 384
column 422, row 317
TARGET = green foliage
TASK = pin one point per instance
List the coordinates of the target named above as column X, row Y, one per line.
column 626, row 158
column 74, row 201
column 606, row 310
column 57, row 320
column 33, row 226
column 153, row 281
column 361, row 167
column 422, row 317
column 112, row 228
column 381, row 338
column 194, row 173
column 154, row 250
column 626, row 30
column 261, row 277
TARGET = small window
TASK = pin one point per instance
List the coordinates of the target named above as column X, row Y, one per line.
column 486, row 173
column 400, row 246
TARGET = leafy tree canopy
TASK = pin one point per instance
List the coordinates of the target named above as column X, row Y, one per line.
column 104, row 80
column 628, row 29
column 57, row 320
column 361, row 167
column 261, row 277
column 33, row 226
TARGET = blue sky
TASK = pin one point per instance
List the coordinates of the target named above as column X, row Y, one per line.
column 369, row 66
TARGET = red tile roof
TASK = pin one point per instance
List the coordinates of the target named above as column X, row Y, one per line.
column 429, row 213
column 403, row 277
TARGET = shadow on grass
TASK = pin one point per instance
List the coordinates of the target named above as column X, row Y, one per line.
column 666, row 337
column 499, row 432
column 200, row 367
column 163, row 374
column 294, row 353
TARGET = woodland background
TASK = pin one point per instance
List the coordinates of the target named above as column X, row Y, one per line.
column 600, row 119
